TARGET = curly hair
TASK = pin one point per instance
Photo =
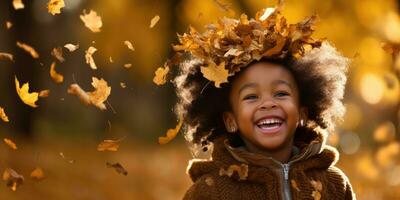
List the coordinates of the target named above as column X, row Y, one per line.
column 320, row 75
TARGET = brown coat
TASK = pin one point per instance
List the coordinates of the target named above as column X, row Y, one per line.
column 234, row 173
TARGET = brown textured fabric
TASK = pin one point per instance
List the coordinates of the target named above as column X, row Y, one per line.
column 234, row 173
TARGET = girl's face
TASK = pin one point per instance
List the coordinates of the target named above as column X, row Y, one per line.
column 265, row 107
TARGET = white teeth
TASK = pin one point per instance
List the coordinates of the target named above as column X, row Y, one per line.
column 269, row 121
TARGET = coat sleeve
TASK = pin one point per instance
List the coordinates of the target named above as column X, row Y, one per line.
column 349, row 194
column 340, row 179
column 202, row 189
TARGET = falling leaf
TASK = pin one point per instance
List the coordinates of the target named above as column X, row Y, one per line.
column 23, row 93
column 215, row 73
column 160, row 77
column 267, row 13
column 8, row 56
column 108, row 145
column 92, row 21
column 18, row 4
column 128, row 65
column 171, row 133
column 3, row 115
column 71, row 47
column 44, row 93
column 154, row 21
column 97, row 97
column 54, row 6
column 8, row 24
column 10, row 143
column 122, row 84
column 129, row 45
column 111, row 60
column 28, row 49
column 37, row 174
column 242, row 171
column 58, row 78
column 12, row 178
column 57, row 53
column 89, row 57
column 118, row 167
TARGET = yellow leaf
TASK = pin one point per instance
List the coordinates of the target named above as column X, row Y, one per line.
column 54, row 6
column 71, row 47
column 154, row 21
column 37, row 174
column 12, row 178
column 161, row 75
column 6, row 56
column 18, row 4
column 171, row 133
column 58, row 78
column 28, row 49
column 129, row 45
column 89, row 57
column 97, row 97
column 108, row 145
column 3, row 115
column 23, row 93
column 92, row 21
column 215, row 73
column 10, row 143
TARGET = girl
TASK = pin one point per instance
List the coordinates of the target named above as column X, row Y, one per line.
column 260, row 95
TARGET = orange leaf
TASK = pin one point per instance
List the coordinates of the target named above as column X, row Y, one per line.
column 3, row 115
column 154, row 21
column 92, row 21
column 23, row 93
column 28, row 49
column 97, row 97
column 12, row 178
column 215, row 73
column 37, row 174
column 54, row 6
column 108, row 145
column 161, row 75
column 58, row 78
column 10, row 143
column 171, row 133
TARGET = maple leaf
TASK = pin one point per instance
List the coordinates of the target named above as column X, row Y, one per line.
column 171, row 133
column 18, row 4
column 71, row 47
column 3, row 115
column 92, row 21
column 57, row 53
column 37, row 174
column 89, row 57
column 154, row 21
column 58, row 78
column 6, row 56
column 23, row 93
column 161, row 75
column 129, row 45
column 118, row 167
column 217, row 74
column 97, row 97
column 108, row 145
column 10, row 143
column 54, row 6
column 28, row 49
column 12, row 178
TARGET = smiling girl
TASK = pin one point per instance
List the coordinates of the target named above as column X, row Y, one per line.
column 260, row 97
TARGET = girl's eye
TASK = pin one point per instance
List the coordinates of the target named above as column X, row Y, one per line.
column 252, row 96
column 281, row 94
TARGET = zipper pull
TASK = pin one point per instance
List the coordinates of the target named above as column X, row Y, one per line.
column 286, row 171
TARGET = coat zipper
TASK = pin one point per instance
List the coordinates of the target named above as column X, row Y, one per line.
column 286, row 185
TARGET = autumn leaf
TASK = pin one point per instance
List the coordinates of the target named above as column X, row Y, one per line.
column 108, row 145
column 122, row 84
column 18, row 4
column 8, row 56
column 44, row 93
column 8, row 24
column 71, row 47
column 154, row 21
column 129, row 45
column 57, row 53
column 161, row 75
column 118, row 167
column 128, row 65
column 23, row 93
column 267, row 13
column 217, row 74
column 280, row 43
column 171, row 133
column 92, row 21
column 89, row 57
column 37, row 174
column 242, row 171
column 12, row 178
column 3, row 115
column 97, row 97
column 54, row 6
column 10, row 143
column 28, row 49
column 58, row 78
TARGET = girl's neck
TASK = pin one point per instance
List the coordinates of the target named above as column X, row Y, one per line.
column 282, row 154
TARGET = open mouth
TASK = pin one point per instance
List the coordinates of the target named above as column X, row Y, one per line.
column 270, row 124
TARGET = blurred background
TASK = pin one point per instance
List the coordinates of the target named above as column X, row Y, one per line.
column 61, row 135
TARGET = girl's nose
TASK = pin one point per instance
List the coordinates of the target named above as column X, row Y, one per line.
column 267, row 104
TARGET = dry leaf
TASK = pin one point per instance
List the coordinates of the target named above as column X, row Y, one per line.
column 18, row 4
column 128, row 65
column 154, row 21
column 12, row 178
column 160, row 77
column 23, row 93
column 10, row 143
column 97, row 97
column 92, row 21
column 44, row 93
column 37, row 174
column 57, row 53
column 8, row 56
column 122, row 84
column 129, row 45
column 3, row 115
column 215, row 73
column 242, row 171
column 171, row 133
column 71, row 47
column 54, row 6
column 108, row 145
column 89, row 57
column 28, row 49
column 58, row 78
column 8, row 24
column 267, row 13
column 118, row 167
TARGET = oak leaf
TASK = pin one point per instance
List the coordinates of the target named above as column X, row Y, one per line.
column 171, row 133
column 23, row 93
column 92, row 21
column 216, row 73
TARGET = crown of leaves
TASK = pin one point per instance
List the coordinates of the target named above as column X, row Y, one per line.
column 230, row 44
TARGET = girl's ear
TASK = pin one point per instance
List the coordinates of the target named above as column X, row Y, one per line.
column 229, row 121
column 303, row 115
